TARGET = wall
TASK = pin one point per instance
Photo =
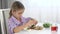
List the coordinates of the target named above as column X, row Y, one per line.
column 31, row 9
column 42, row 10
column 0, row 4
column 10, row 3
column 3, row 4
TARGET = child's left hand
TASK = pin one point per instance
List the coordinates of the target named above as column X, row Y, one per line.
column 35, row 21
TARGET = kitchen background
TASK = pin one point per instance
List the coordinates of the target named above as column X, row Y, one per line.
column 41, row 10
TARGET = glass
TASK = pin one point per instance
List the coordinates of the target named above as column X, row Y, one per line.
column 54, row 28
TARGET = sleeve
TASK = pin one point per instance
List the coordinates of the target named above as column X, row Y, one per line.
column 27, row 19
column 11, row 26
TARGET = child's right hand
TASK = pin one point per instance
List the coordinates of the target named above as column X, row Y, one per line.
column 31, row 22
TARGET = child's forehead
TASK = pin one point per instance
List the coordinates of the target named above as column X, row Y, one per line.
column 20, row 11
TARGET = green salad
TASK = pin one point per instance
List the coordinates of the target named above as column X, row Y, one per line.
column 46, row 25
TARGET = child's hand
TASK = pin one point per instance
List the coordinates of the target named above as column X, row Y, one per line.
column 35, row 21
column 31, row 22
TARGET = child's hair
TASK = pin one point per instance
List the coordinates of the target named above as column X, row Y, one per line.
column 16, row 6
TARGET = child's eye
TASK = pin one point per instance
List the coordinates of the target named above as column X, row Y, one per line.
column 21, row 13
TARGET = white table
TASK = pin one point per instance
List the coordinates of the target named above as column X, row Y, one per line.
column 44, row 31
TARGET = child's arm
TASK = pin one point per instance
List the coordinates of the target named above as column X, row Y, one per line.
column 19, row 28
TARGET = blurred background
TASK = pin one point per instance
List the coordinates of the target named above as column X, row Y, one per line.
column 41, row 10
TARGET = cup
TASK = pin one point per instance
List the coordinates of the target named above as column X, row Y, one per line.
column 54, row 28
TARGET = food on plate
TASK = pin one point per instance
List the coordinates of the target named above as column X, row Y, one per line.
column 32, row 27
column 38, row 28
column 46, row 25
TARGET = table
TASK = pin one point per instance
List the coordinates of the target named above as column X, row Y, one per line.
column 44, row 31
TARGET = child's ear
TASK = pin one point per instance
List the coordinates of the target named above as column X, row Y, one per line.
column 13, row 11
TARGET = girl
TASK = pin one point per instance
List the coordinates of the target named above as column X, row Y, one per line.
column 16, row 21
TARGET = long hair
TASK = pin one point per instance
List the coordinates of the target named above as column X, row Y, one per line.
column 16, row 6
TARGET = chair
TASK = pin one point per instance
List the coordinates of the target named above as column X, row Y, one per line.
column 4, row 20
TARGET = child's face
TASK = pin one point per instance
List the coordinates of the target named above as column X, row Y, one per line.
column 18, row 13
